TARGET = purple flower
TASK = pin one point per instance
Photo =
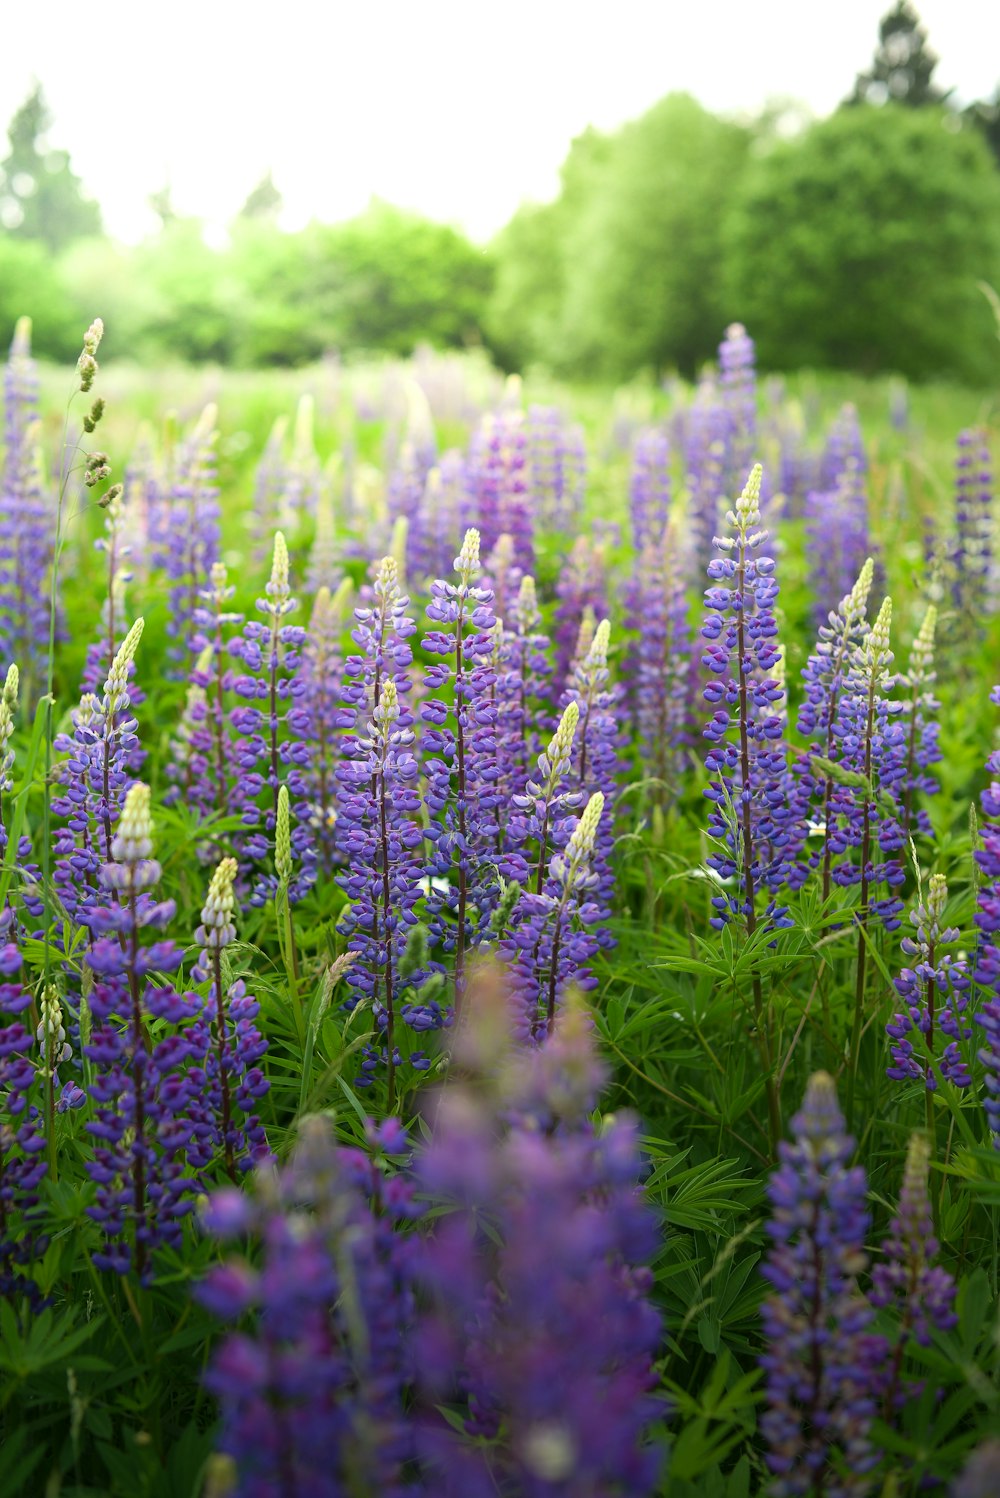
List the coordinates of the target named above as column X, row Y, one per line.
column 312, row 1390
column 27, row 527
column 557, row 469
column 582, row 590
column 935, row 992
column 276, row 748
column 819, row 1356
column 663, row 658
column 972, row 551
column 987, row 959
column 906, row 1279
column 499, row 480
column 738, row 377
column 144, row 1049
column 321, row 668
column 185, row 536
column 920, row 726
column 595, row 762
column 22, row 1134
column 837, row 537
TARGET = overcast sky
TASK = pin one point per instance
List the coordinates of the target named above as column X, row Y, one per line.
column 457, row 108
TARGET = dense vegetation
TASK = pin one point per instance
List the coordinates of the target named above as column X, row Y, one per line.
column 563, row 1058
column 859, row 243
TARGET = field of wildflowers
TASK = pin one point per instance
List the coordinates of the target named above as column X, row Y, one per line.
column 501, row 936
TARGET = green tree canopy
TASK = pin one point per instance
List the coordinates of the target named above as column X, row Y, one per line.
column 40, row 197
column 902, row 69
column 859, row 245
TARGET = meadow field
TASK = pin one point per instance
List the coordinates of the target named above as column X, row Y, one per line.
column 501, row 953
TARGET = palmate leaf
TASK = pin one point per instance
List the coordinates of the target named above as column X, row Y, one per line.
column 696, row 1196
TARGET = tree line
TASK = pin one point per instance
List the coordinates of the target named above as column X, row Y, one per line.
column 861, row 241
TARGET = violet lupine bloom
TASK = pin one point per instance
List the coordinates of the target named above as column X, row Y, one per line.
column 920, row 727
column 820, row 1356
column 936, row 994
column 144, row 1088
column 502, row 576
column 521, row 668
column 662, row 666
column 230, row 1082
column 321, row 668
column 837, row 537
column 649, row 488
column 557, row 469
column 93, row 781
column 550, row 937
column 582, row 585
column 22, row 1133
column 276, row 737
column 595, row 764
column 382, row 634
column 906, row 1279
column 459, row 742
column 186, row 542
column 738, row 379
column 312, row 1395
column 752, row 818
column 980, row 1477
column 705, row 457
column 972, row 552
column 499, row 479
column 27, row 871
column 987, row 969
column 844, row 446
column 26, row 522
column 825, row 674
column 381, row 841
column 540, row 1335
column 871, row 745
column 444, row 513
column 204, row 766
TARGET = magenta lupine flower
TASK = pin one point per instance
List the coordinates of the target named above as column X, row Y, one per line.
column 936, row 994
column 753, row 819
column 906, row 1279
column 920, row 727
column 557, row 469
column 275, row 748
column 230, row 1082
column 382, row 634
column 972, row 551
column 22, row 1134
column 26, row 522
column 93, row 780
column 459, row 743
column 186, row 542
column 820, row 1359
column 540, row 1336
column 312, row 1392
column 381, row 842
column 582, row 585
column 144, row 1087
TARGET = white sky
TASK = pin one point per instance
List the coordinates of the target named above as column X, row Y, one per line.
column 457, row 108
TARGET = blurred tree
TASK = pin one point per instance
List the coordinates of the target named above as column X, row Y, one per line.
column 525, row 316
column 903, row 67
column 263, row 202
column 644, row 285
column 985, row 115
column 162, row 204
column 30, row 285
column 860, row 246
column 40, row 197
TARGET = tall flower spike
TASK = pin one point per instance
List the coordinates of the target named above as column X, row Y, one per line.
column 22, row 1134
column 596, row 764
column 382, row 876
column 276, row 738
column 145, row 1090
column 463, row 789
column 521, row 667
column 321, row 672
column 907, row 1279
column 920, row 726
column 27, row 526
column 818, row 1357
column 225, row 1111
column 186, row 539
column 987, row 960
column 825, row 675
column 936, row 994
column 582, row 585
column 661, row 666
column 972, row 552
